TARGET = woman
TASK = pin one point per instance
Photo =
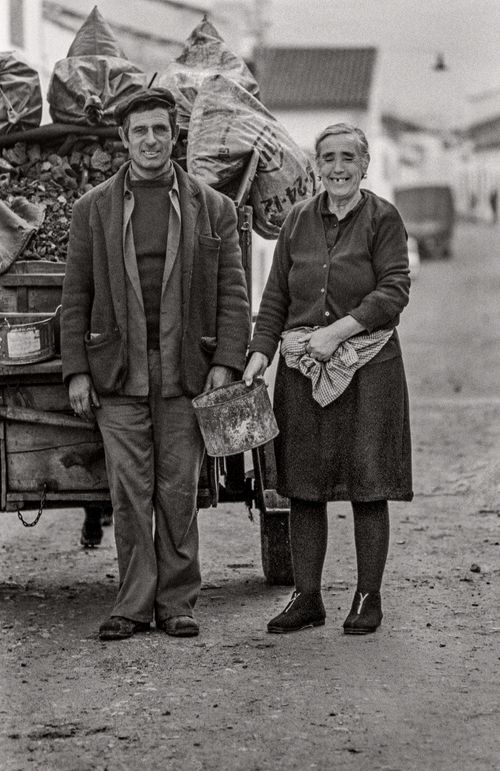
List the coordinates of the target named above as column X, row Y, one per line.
column 337, row 285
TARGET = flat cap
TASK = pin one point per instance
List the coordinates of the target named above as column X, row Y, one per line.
column 160, row 97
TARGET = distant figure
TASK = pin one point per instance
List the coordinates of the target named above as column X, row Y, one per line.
column 473, row 204
column 494, row 205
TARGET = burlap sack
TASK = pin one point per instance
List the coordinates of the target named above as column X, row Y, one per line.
column 205, row 53
column 86, row 86
column 20, row 95
column 19, row 221
column 226, row 124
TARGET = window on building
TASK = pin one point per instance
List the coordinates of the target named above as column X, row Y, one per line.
column 17, row 23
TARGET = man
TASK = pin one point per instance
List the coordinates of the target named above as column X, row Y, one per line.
column 155, row 311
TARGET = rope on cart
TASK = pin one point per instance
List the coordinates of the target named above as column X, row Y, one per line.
column 40, row 510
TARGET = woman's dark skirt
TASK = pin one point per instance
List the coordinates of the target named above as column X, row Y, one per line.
column 358, row 448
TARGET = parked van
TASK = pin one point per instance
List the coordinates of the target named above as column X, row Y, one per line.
column 428, row 212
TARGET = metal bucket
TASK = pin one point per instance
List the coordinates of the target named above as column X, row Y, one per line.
column 27, row 338
column 235, row 418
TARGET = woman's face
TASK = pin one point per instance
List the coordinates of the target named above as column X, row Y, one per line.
column 341, row 166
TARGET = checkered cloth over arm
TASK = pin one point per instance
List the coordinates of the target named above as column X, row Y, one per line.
column 331, row 378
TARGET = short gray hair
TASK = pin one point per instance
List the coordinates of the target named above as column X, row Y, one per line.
column 346, row 128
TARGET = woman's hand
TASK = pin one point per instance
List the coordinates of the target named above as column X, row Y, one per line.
column 255, row 368
column 322, row 343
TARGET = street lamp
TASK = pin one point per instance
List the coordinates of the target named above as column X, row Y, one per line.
column 440, row 64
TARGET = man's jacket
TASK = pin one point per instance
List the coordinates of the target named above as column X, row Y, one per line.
column 214, row 317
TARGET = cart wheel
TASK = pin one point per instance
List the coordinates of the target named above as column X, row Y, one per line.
column 275, row 548
column 274, row 515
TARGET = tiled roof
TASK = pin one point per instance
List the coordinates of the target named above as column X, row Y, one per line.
column 394, row 125
column 485, row 134
column 315, row 77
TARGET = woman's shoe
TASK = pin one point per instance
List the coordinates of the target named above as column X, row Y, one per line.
column 366, row 613
column 304, row 610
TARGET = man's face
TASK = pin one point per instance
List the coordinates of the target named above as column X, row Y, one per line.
column 149, row 141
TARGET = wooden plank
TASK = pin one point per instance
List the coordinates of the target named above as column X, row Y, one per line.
column 74, row 499
column 30, row 299
column 8, row 300
column 27, row 415
column 23, row 298
column 32, row 285
column 36, row 266
column 40, row 371
column 57, row 450
column 3, row 468
column 50, row 396
column 31, row 279
column 32, row 437
column 60, row 469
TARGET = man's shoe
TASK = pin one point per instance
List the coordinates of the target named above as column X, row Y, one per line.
column 180, row 626
column 119, row 628
column 366, row 613
column 303, row 611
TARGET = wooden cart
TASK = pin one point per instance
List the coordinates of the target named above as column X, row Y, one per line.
column 51, row 459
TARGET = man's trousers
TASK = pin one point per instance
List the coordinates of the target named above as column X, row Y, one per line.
column 154, row 451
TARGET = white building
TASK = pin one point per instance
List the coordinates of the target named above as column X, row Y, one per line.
column 480, row 171
column 20, row 25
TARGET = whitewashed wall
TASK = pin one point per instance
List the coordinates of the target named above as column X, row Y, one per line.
column 32, row 23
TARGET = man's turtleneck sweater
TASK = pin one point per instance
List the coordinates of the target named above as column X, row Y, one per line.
column 150, row 229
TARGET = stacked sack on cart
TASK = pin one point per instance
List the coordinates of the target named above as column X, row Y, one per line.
column 44, row 169
column 220, row 110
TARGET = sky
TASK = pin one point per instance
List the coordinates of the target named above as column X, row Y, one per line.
column 409, row 34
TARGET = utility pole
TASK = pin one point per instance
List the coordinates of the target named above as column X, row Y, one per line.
column 259, row 27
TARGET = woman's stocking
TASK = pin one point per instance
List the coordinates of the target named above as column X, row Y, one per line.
column 371, row 536
column 308, row 541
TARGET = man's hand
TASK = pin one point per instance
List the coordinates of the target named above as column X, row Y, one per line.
column 82, row 396
column 218, row 376
column 255, row 368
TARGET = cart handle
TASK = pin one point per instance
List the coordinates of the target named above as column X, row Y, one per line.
column 247, row 179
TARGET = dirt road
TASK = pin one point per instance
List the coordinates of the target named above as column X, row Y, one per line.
column 422, row 693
